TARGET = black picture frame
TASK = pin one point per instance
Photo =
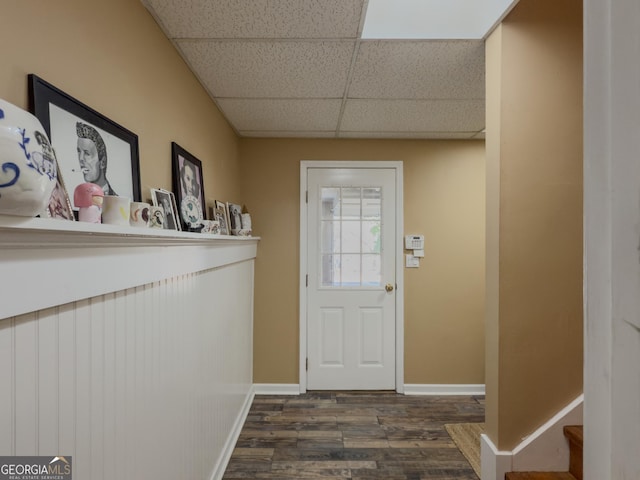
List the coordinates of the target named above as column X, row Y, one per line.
column 68, row 121
column 182, row 187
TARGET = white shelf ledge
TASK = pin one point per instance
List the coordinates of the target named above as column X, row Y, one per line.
column 28, row 232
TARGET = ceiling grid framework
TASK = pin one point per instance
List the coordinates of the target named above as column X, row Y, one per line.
column 299, row 68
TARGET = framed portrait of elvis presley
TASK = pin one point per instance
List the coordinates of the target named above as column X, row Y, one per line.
column 89, row 147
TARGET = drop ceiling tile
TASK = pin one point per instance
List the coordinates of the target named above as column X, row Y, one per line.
column 410, row 135
column 270, row 68
column 419, row 69
column 281, row 115
column 258, row 18
column 413, row 116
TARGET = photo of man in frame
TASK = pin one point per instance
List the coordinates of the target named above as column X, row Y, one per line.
column 92, row 156
column 189, row 179
column 88, row 153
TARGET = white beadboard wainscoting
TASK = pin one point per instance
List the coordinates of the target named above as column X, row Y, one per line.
column 129, row 350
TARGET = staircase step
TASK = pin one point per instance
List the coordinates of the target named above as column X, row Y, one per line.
column 574, row 434
column 539, row 476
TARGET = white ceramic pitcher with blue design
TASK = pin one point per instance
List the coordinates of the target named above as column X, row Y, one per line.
column 28, row 170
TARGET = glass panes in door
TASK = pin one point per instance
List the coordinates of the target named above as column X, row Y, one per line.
column 351, row 243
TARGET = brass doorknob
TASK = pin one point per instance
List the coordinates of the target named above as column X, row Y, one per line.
column 388, row 287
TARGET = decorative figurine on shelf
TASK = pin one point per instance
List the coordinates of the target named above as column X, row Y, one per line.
column 156, row 217
column 88, row 198
column 28, row 170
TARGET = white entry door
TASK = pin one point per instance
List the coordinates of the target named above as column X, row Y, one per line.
column 351, row 285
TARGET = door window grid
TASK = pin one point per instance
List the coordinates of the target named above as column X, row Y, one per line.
column 351, row 243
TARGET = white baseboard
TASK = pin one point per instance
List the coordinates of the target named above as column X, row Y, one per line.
column 411, row 389
column 493, row 463
column 229, row 445
column 444, row 389
column 276, row 388
column 546, row 449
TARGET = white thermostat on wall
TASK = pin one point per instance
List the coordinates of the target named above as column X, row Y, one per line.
column 411, row 262
column 414, row 242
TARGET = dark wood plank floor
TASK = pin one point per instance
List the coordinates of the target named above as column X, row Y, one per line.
column 353, row 435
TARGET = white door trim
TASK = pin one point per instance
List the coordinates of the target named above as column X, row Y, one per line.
column 305, row 165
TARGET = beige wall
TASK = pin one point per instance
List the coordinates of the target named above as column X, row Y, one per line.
column 444, row 298
column 112, row 56
column 534, row 158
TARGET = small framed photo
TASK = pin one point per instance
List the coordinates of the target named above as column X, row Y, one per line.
column 59, row 203
column 221, row 214
column 166, row 200
column 188, row 186
column 235, row 217
column 89, row 147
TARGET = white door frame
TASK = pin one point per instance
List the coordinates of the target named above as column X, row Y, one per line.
column 305, row 165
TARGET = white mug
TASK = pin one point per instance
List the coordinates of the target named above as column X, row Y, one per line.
column 139, row 214
column 116, row 210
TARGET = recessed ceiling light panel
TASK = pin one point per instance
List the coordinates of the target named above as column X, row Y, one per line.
column 433, row 19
